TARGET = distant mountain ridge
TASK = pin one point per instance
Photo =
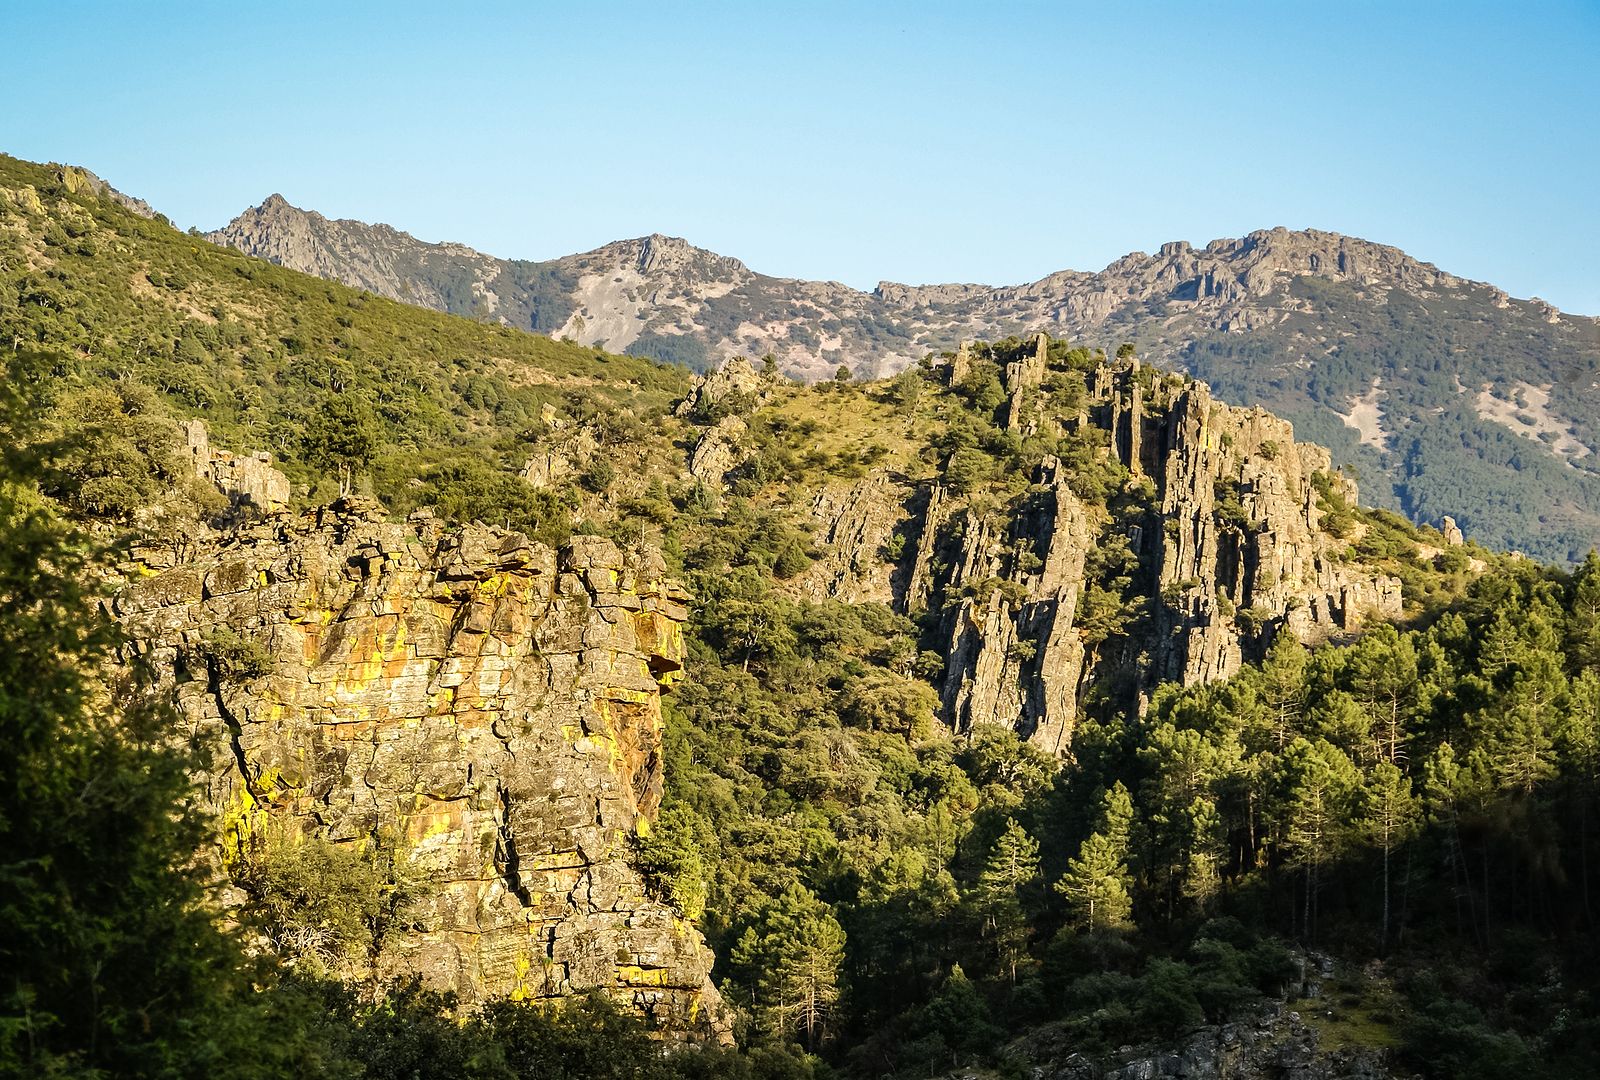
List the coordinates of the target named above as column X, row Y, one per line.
column 1464, row 400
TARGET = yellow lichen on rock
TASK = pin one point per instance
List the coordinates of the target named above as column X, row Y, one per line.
column 490, row 703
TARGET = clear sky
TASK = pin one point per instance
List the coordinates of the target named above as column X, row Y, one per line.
column 924, row 142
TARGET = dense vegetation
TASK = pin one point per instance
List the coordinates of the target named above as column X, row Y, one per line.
column 883, row 897
column 1420, row 798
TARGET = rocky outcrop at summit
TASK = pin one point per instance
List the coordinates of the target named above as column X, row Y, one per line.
column 377, row 258
column 79, row 179
column 733, row 388
column 485, row 706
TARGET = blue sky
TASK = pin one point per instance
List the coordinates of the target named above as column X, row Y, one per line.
column 912, row 142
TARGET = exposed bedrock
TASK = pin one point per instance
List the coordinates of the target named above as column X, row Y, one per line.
column 485, row 704
column 1230, row 552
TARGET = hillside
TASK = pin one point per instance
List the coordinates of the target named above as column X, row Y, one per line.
column 1450, row 397
column 1034, row 710
column 262, row 353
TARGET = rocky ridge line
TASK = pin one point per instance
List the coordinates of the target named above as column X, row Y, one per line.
column 665, row 289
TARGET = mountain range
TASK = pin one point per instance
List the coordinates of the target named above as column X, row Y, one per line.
column 1446, row 396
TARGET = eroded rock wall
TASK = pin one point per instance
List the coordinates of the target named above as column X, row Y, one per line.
column 1240, row 532
column 1013, row 655
column 487, row 705
column 1229, row 552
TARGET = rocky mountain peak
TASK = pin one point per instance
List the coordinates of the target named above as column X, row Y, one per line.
column 378, row 258
column 659, row 255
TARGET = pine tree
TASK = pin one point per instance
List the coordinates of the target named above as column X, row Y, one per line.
column 1283, row 675
column 1521, row 726
column 809, row 971
column 1096, row 884
column 1390, row 814
column 1320, row 782
column 1441, row 783
column 958, row 1016
column 342, row 436
column 792, row 957
column 1012, row 865
column 1013, row 862
column 1180, row 808
column 1579, row 743
column 1382, row 669
column 1583, row 624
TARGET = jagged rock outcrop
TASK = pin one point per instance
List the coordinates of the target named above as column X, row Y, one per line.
column 76, row 179
column 246, row 479
column 1240, row 528
column 1229, row 553
column 563, row 452
column 856, row 527
column 1013, row 654
column 488, row 707
column 734, row 387
column 1232, row 554
column 1023, row 376
column 717, row 452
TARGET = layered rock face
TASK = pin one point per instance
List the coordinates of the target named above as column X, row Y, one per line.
column 1228, row 553
column 485, row 705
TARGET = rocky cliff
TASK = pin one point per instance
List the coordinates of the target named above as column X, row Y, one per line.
column 1220, row 540
column 486, row 706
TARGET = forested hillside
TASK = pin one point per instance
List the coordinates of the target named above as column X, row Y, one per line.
column 1321, row 780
